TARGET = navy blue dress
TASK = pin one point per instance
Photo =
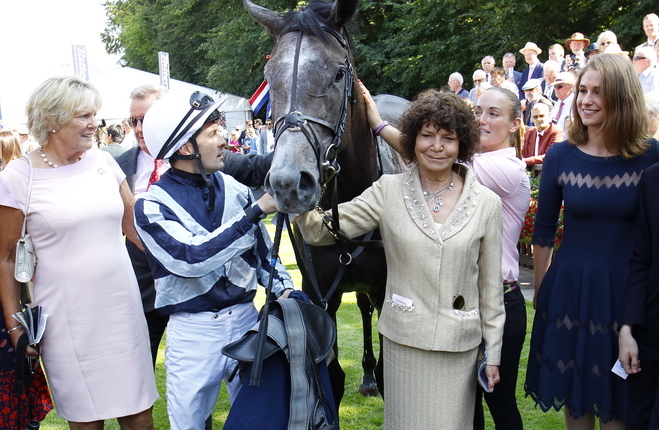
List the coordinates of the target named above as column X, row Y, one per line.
column 574, row 342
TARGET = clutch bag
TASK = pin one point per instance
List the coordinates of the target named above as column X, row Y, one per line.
column 26, row 260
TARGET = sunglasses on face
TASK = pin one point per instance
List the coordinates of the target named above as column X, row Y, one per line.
column 558, row 87
column 133, row 121
column 639, row 58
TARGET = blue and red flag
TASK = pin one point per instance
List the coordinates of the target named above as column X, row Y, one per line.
column 260, row 97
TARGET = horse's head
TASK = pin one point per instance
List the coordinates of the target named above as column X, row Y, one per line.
column 311, row 79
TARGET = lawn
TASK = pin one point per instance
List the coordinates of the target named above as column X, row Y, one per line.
column 357, row 412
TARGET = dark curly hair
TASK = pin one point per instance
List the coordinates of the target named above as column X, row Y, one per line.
column 445, row 111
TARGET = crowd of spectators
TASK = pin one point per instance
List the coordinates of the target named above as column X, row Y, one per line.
column 552, row 82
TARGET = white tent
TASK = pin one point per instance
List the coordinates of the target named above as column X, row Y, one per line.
column 115, row 88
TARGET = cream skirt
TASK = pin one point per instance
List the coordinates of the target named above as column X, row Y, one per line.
column 427, row 390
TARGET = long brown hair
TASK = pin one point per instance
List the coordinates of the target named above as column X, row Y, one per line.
column 624, row 130
column 10, row 147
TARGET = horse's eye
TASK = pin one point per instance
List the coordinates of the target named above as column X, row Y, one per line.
column 339, row 75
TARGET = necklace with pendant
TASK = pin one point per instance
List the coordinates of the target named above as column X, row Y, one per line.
column 437, row 197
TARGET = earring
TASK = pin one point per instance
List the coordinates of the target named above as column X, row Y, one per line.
column 54, row 131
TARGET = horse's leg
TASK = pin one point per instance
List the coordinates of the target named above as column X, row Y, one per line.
column 336, row 374
column 368, row 387
column 379, row 370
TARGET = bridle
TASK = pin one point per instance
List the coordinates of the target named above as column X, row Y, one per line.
column 296, row 121
column 328, row 166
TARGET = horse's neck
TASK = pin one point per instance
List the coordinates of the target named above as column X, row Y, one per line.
column 358, row 159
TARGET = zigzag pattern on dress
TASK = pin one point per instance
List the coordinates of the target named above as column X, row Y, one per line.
column 598, row 182
column 569, row 324
column 570, row 365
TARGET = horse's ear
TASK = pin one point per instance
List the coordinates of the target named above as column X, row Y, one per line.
column 272, row 21
column 343, row 11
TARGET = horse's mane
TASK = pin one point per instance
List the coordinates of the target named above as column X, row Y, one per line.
column 312, row 20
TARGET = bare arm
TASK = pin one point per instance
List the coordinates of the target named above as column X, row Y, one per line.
column 390, row 134
column 127, row 222
column 267, row 204
column 541, row 262
column 9, row 288
column 628, row 350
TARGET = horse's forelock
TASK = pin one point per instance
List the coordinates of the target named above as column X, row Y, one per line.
column 311, row 20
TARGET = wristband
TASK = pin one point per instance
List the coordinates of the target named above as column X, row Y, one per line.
column 254, row 213
column 14, row 329
column 380, row 127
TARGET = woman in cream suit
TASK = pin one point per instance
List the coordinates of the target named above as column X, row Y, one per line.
column 442, row 238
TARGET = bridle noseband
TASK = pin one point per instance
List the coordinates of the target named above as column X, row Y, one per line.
column 296, row 121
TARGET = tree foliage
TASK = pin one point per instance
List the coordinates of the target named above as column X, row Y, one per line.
column 401, row 46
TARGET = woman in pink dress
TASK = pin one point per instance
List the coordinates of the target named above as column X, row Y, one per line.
column 96, row 348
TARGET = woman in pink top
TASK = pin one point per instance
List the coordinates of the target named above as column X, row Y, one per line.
column 499, row 168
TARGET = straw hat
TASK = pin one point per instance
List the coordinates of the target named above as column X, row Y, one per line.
column 577, row 37
column 532, row 46
column 531, row 84
column 565, row 78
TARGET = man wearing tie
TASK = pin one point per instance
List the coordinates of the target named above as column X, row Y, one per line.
column 488, row 64
column 564, row 90
column 535, row 70
column 538, row 139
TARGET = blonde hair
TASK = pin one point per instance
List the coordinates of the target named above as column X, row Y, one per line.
column 624, row 129
column 515, row 106
column 607, row 36
column 10, row 147
column 56, row 102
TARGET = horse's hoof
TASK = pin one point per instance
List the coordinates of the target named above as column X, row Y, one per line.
column 370, row 390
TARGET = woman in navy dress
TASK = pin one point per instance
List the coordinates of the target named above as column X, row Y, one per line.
column 574, row 342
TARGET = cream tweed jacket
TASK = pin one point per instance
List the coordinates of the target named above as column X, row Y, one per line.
column 429, row 265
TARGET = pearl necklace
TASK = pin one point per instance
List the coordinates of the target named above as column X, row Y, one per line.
column 438, row 195
column 47, row 161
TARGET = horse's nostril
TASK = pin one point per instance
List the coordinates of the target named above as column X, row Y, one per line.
column 307, row 183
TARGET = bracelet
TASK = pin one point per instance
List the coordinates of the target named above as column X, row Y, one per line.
column 380, row 127
column 15, row 328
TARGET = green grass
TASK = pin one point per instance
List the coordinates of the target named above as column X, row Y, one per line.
column 357, row 412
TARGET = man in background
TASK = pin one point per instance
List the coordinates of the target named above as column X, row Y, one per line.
column 455, row 81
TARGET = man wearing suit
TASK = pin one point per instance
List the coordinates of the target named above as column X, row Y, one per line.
column 557, row 53
column 550, row 71
column 139, row 166
column 639, row 333
column 512, row 75
column 538, row 139
column 535, row 70
column 651, row 28
column 488, row 64
column 532, row 96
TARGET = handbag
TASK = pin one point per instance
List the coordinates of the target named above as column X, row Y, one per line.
column 26, row 259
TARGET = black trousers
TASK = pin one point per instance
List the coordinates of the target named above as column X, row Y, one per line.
column 502, row 401
column 157, row 323
column 642, row 402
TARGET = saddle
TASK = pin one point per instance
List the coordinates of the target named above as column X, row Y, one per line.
column 295, row 387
